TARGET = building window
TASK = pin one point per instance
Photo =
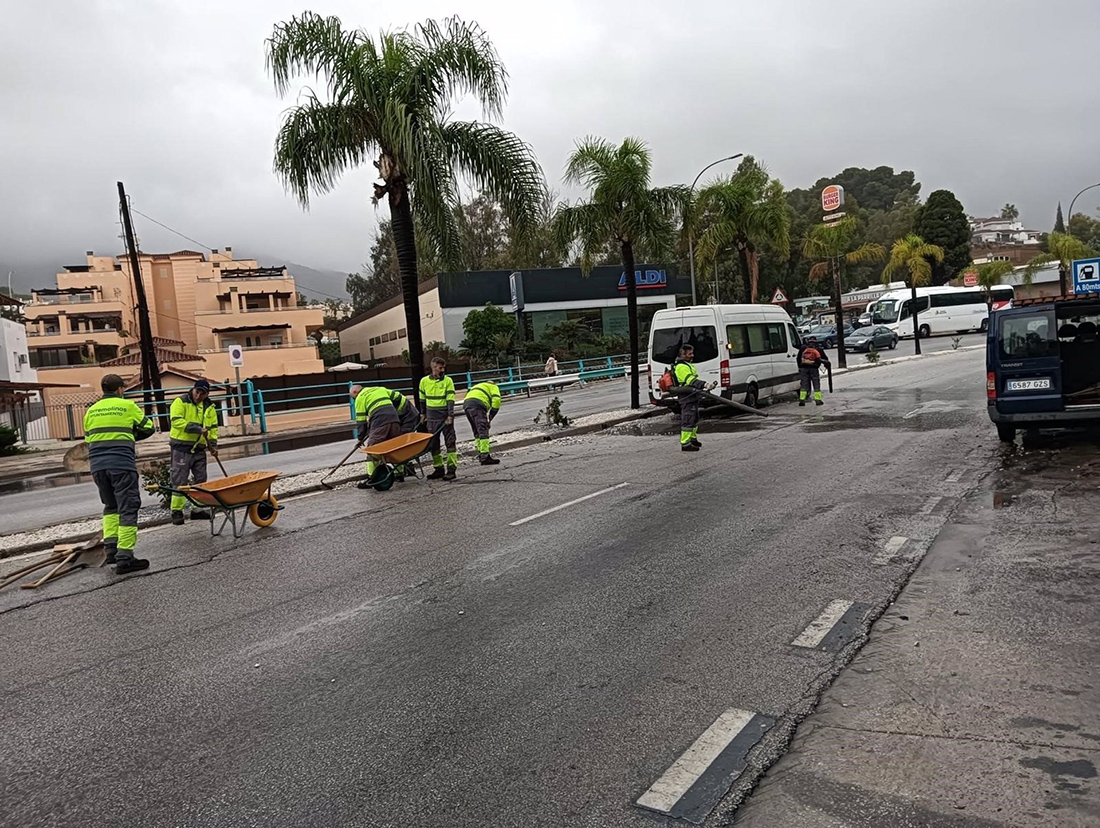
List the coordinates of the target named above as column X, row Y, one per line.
column 385, row 337
column 393, row 335
column 276, row 340
column 401, row 334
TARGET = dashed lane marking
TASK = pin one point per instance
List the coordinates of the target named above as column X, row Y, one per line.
column 930, row 505
column 831, row 630
column 890, row 550
column 702, row 775
column 561, row 506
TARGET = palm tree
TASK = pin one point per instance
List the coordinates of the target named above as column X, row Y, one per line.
column 991, row 274
column 912, row 255
column 747, row 210
column 623, row 210
column 388, row 100
column 833, row 245
column 1063, row 249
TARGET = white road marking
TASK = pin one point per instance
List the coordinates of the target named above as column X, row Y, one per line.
column 821, row 626
column 663, row 794
column 930, row 505
column 558, row 508
column 890, row 551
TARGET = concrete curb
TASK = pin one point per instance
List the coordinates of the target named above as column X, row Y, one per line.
column 503, row 445
column 885, row 362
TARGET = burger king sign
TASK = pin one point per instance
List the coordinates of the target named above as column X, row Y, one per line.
column 832, row 198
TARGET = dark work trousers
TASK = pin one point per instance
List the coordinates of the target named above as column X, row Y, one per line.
column 689, row 417
column 120, row 494
column 809, row 375
column 186, row 468
column 479, row 423
column 436, row 416
column 410, row 419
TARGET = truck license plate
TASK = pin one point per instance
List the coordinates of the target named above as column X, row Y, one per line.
column 1028, row 385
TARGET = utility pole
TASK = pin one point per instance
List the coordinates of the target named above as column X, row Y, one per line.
column 150, row 372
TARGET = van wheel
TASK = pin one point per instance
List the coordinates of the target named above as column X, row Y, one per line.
column 1006, row 433
column 925, row 332
column 752, row 396
column 985, row 326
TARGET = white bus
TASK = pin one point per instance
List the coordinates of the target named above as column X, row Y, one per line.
column 940, row 310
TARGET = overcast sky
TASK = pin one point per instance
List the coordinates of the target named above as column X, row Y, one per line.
column 996, row 100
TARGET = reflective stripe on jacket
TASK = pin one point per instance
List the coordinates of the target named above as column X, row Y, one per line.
column 485, row 394
column 111, row 425
column 376, row 404
column 438, row 393
column 189, row 419
column 686, row 375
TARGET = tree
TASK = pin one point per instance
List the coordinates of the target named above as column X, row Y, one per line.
column 1009, row 212
column 1063, row 250
column 877, row 189
column 485, row 234
column 1059, row 222
column 1085, row 228
column 914, row 257
column 941, row 222
column 835, row 246
column 484, row 330
column 568, row 333
column 991, row 274
column 388, row 100
column 747, row 210
column 623, row 209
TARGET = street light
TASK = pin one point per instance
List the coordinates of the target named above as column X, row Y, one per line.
column 691, row 231
column 1070, row 214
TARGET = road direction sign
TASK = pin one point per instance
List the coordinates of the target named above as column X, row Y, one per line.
column 236, row 356
column 780, row 298
column 1086, row 276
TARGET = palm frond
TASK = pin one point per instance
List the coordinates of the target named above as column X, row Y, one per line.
column 819, row 271
column 457, row 58
column 868, row 252
column 312, row 45
column 1038, row 263
column 318, row 142
column 590, row 162
column 584, row 226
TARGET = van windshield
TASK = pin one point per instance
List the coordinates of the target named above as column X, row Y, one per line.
column 667, row 343
column 1028, row 335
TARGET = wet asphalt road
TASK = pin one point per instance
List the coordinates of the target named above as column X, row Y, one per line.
column 439, row 656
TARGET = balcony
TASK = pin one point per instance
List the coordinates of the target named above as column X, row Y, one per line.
column 61, row 339
column 234, row 311
column 36, row 310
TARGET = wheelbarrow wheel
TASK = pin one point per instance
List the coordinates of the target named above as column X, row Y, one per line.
column 383, row 477
column 264, row 512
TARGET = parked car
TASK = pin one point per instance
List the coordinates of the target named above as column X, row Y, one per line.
column 826, row 334
column 865, row 319
column 878, row 335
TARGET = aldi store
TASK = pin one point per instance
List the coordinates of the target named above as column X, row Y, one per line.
column 551, row 296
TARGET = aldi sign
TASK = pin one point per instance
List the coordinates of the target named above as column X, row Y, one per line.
column 645, row 279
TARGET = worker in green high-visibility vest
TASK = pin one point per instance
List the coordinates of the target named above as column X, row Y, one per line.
column 481, row 405
column 111, row 427
column 378, row 421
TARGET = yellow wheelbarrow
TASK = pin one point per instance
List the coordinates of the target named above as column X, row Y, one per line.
column 250, row 491
column 403, row 450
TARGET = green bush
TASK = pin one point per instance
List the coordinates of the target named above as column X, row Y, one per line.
column 9, row 441
column 157, row 475
column 553, row 414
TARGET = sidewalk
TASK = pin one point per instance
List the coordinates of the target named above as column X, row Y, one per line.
column 976, row 701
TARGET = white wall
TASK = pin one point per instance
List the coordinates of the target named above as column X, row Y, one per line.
column 15, row 367
column 356, row 339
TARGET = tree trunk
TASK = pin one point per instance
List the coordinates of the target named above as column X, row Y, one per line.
column 404, row 239
column 841, row 357
column 632, row 321
column 916, row 321
column 1063, row 281
column 754, row 275
column 746, row 271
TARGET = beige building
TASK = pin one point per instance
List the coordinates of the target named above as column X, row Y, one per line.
column 199, row 305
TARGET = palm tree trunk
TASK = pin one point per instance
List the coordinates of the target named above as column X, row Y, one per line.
column 404, row 239
column 746, row 270
column 916, row 321
column 632, row 321
column 1063, row 281
column 754, row 268
column 838, row 291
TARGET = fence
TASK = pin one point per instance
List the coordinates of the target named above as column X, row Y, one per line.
column 268, row 404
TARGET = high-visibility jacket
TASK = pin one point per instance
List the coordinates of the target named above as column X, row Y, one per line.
column 374, row 405
column 189, row 418
column 686, row 375
column 487, row 395
column 111, row 425
column 438, row 394
column 400, row 401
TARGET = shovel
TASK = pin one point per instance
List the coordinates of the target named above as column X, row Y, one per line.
column 336, row 468
column 216, row 458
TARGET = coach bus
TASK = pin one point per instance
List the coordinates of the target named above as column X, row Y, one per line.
column 940, row 310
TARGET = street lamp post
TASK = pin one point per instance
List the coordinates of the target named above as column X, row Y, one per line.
column 1069, row 215
column 691, row 230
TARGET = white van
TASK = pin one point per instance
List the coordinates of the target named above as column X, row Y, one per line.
column 749, row 350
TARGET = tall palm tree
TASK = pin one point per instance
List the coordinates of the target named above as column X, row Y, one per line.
column 747, row 210
column 913, row 256
column 834, row 245
column 388, row 100
column 622, row 209
column 1063, row 249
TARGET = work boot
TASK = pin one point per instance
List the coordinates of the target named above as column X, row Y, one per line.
column 695, row 442
column 110, row 559
column 819, row 402
column 489, row 460
column 199, row 514
column 801, row 403
column 688, row 447
column 437, row 474
column 125, row 566
column 399, row 474
column 451, row 473
column 364, row 484
column 177, row 518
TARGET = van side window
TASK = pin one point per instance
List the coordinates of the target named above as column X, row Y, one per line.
column 667, row 342
column 756, row 339
column 796, row 340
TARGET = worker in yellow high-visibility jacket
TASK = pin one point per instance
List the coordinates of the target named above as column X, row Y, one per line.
column 437, row 393
column 481, row 406
column 111, row 427
column 194, row 432
column 378, row 421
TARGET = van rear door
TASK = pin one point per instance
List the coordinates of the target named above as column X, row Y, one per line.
column 1025, row 374
column 673, row 329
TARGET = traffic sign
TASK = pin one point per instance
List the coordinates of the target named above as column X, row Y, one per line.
column 1086, row 276
column 780, row 298
column 970, row 279
column 832, row 198
column 236, row 356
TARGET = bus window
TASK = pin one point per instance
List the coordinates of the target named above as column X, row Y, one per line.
column 907, row 306
column 1030, row 335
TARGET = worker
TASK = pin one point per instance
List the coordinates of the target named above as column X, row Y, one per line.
column 111, row 426
column 437, row 393
column 194, row 432
column 378, row 421
column 811, row 356
column 481, row 405
column 687, row 378
column 407, row 415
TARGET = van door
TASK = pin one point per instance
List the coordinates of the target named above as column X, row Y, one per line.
column 750, row 363
column 786, row 368
column 695, row 327
column 1025, row 373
